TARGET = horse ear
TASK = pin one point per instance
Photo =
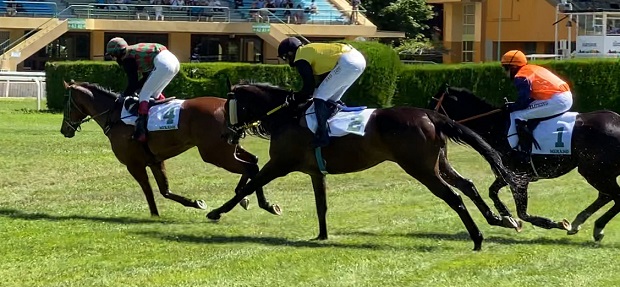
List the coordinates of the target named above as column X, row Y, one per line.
column 229, row 84
column 66, row 85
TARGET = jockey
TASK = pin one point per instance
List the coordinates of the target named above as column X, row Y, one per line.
column 156, row 64
column 335, row 65
column 541, row 94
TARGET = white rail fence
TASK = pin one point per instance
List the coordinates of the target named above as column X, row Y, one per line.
column 23, row 84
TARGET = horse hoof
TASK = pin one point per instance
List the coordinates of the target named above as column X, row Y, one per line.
column 214, row 216
column 573, row 230
column 275, row 209
column 477, row 247
column 200, row 204
column 566, row 225
column 599, row 233
column 320, row 237
column 245, row 203
column 512, row 223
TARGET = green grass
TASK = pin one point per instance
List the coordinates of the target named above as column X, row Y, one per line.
column 71, row 215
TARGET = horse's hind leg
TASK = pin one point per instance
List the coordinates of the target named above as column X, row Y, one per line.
column 429, row 176
column 452, row 177
column 494, row 189
column 608, row 189
column 159, row 171
column 241, row 162
column 521, row 201
column 139, row 174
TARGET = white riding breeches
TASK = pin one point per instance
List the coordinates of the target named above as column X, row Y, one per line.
column 166, row 67
column 350, row 66
column 557, row 104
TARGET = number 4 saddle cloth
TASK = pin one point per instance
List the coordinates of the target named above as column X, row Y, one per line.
column 553, row 135
column 162, row 117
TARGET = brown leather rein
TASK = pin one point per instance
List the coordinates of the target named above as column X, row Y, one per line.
column 439, row 106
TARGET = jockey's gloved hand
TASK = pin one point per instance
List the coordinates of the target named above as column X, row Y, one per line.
column 509, row 107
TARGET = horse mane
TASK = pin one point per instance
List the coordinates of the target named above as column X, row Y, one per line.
column 264, row 130
column 466, row 94
column 98, row 88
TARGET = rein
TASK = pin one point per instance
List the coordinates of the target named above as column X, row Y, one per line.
column 76, row 125
column 241, row 128
column 440, row 101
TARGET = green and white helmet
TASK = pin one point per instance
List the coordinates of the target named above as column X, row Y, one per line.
column 116, row 46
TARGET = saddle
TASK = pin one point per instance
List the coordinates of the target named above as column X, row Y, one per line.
column 131, row 103
column 525, row 133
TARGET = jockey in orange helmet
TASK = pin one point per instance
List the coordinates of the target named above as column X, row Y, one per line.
column 541, row 94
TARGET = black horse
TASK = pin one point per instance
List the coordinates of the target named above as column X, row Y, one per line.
column 413, row 138
column 595, row 152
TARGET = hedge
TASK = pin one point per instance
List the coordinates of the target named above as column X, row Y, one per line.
column 375, row 87
column 594, row 82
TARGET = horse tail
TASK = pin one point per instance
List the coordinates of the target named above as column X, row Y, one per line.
column 463, row 135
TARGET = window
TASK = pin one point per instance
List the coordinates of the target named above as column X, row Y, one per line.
column 469, row 19
column 468, row 51
column 529, row 48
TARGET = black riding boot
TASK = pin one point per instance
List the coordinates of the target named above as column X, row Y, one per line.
column 525, row 141
column 322, row 112
column 140, row 132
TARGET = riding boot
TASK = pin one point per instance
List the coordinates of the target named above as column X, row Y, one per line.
column 322, row 112
column 143, row 113
column 525, row 141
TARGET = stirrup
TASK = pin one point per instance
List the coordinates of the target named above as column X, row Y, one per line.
column 319, row 160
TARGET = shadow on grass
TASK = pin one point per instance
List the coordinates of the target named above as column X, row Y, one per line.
column 278, row 241
column 464, row 236
column 18, row 214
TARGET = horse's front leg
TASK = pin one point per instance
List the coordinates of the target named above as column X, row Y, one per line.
column 269, row 172
column 320, row 198
column 250, row 165
column 138, row 172
column 159, row 172
column 521, row 201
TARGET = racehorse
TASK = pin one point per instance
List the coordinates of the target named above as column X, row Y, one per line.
column 413, row 138
column 595, row 152
column 201, row 124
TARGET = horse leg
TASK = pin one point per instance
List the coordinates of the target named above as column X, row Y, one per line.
column 140, row 175
column 430, row 178
column 599, row 224
column 452, row 177
column 320, row 199
column 269, row 172
column 600, row 201
column 159, row 172
column 607, row 188
column 494, row 189
column 250, row 165
column 521, row 201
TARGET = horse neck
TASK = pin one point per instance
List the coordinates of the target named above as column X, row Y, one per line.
column 102, row 108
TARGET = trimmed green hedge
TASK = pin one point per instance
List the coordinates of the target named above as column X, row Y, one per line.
column 595, row 82
column 375, row 87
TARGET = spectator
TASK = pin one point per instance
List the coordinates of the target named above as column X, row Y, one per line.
column 298, row 16
column 158, row 9
column 123, row 5
column 287, row 12
column 140, row 11
column 355, row 6
column 260, row 4
column 271, row 7
column 238, row 3
column 313, row 8
column 177, row 4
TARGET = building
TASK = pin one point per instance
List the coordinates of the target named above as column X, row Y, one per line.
column 482, row 30
column 32, row 33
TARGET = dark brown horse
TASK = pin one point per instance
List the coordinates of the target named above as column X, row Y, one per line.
column 413, row 138
column 201, row 123
column 595, row 152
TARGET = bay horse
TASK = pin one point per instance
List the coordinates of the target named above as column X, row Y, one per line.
column 201, row 124
column 595, row 153
column 413, row 138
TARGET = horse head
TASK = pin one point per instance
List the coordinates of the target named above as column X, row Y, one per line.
column 83, row 103
column 458, row 103
column 250, row 106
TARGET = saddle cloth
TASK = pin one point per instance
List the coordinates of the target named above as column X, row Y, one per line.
column 162, row 117
column 553, row 135
column 350, row 120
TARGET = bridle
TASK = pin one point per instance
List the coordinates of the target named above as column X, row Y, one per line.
column 76, row 125
column 239, row 129
column 439, row 106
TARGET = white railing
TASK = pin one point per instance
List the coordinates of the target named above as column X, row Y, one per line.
column 18, row 79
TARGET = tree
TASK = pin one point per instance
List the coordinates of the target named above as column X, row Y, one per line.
column 399, row 15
